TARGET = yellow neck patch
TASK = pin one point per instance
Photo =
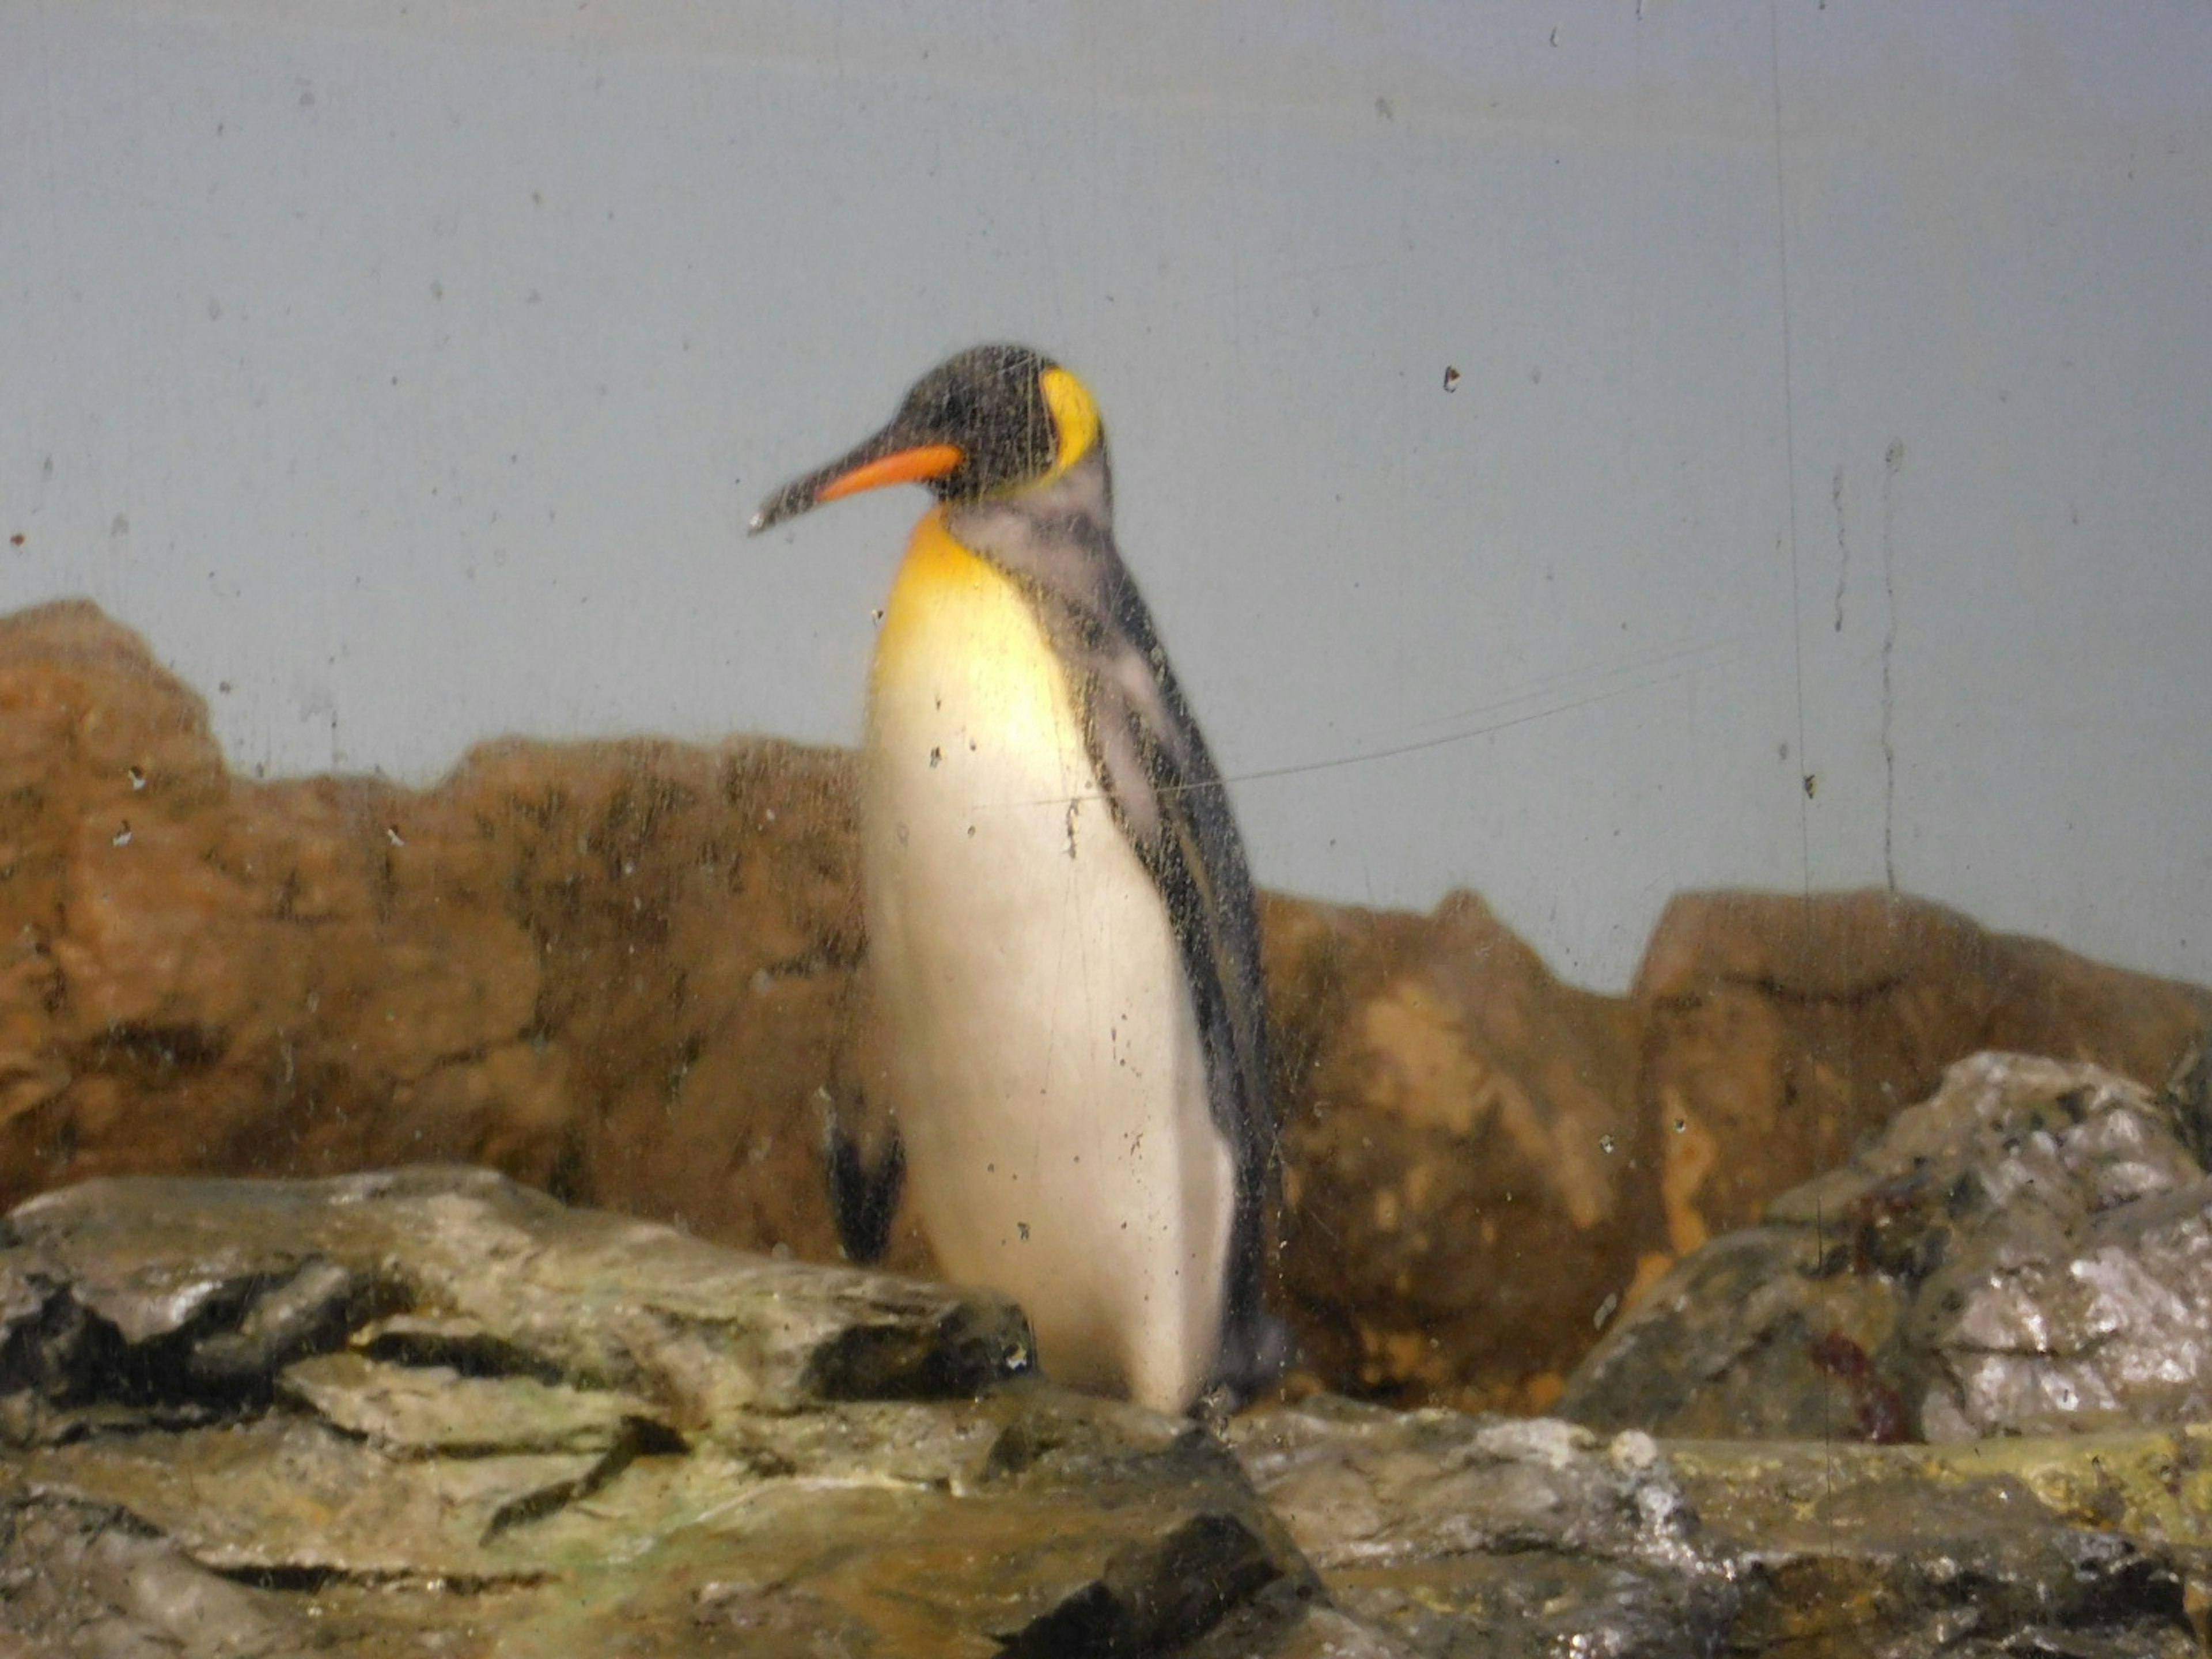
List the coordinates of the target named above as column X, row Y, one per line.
column 937, row 579
column 1074, row 418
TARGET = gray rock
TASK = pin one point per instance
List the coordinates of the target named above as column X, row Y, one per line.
column 1999, row 1548
column 430, row 1413
column 201, row 1288
column 2028, row 1251
column 415, row 1408
column 1455, row 1537
column 85, row 1579
column 1453, row 1534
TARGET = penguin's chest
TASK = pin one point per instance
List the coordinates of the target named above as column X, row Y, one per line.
column 1042, row 1053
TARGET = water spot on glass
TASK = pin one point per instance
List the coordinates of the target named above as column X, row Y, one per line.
column 1451, row 378
column 936, row 756
column 223, row 686
column 16, row 540
column 878, row 614
column 1606, row 1144
column 122, row 837
column 1605, row 1311
column 1812, row 785
column 1681, row 1124
column 391, row 834
column 1022, row 1227
column 137, row 778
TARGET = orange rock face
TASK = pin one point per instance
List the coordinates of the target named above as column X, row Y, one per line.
column 1782, row 1031
column 1462, row 1191
column 625, row 972
column 616, row 970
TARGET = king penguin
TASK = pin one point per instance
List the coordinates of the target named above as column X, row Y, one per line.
column 1063, row 947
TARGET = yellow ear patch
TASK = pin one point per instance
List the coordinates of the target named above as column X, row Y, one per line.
column 1074, row 418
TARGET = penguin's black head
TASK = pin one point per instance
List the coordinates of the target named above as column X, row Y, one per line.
column 988, row 420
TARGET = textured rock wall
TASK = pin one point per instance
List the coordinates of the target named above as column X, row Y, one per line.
column 623, row 971
column 616, row 970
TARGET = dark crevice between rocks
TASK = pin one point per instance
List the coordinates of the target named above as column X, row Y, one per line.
column 472, row 1353
column 300, row 1580
column 639, row 1439
column 56, row 1351
column 1154, row 1597
column 965, row 1353
column 225, row 1357
column 310, row 1311
column 2105, row 1597
column 156, row 1047
column 2188, row 1094
column 311, row 1580
column 1849, row 998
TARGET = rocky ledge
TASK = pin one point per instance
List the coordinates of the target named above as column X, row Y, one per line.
column 2027, row 1252
column 431, row 1412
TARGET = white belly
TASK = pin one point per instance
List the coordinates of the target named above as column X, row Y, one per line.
column 1043, row 1057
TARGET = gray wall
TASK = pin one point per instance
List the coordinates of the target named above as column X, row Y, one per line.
column 1832, row 399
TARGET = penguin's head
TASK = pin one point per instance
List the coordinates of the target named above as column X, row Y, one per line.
column 993, row 420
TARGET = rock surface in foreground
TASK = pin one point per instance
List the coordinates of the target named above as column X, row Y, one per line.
column 2028, row 1252
column 431, row 1412
column 433, row 1401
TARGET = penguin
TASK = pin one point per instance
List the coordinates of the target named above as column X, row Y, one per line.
column 1063, row 956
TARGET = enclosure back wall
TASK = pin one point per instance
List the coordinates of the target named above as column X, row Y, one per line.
column 1677, row 443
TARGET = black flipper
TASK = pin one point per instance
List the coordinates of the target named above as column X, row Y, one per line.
column 864, row 1200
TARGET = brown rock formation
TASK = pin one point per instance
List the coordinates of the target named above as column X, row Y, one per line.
column 1463, row 1194
column 623, row 971
column 616, row 970
column 1780, row 1031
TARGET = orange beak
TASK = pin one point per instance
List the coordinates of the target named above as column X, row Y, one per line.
column 893, row 456
column 903, row 466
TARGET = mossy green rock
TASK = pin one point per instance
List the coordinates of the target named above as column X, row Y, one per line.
column 430, row 1411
